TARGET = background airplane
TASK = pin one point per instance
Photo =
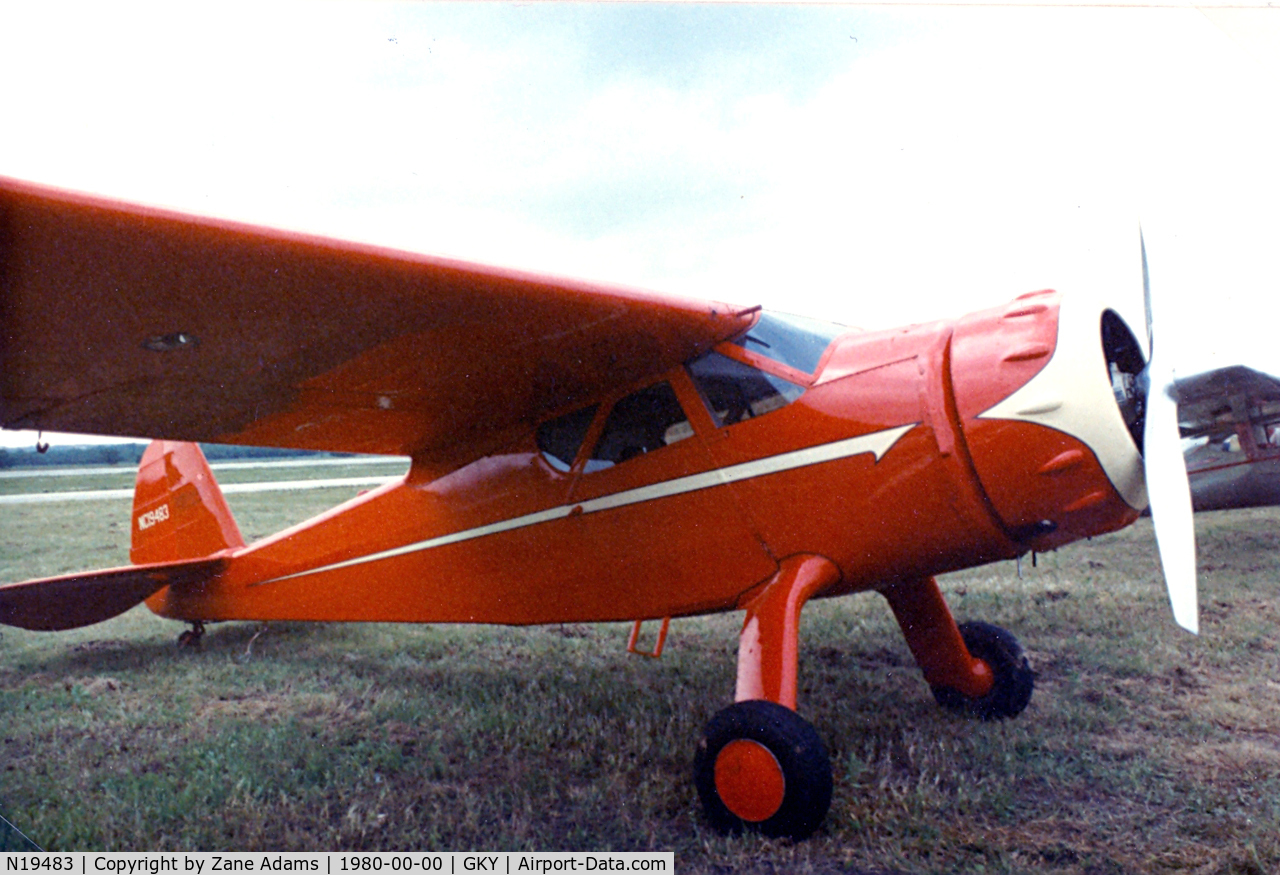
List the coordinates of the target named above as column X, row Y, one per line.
column 1232, row 417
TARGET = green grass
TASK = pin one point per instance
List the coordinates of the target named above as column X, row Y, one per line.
column 1144, row 749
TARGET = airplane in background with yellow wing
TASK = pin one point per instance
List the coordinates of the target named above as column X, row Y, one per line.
column 579, row 453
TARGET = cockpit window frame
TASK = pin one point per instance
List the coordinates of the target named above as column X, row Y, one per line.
column 773, row 365
column 641, row 448
column 552, row 460
column 687, row 395
column 730, row 349
column 774, row 377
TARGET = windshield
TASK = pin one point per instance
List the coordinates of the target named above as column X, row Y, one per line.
column 795, row 341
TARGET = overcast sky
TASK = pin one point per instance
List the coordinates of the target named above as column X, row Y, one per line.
column 870, row 165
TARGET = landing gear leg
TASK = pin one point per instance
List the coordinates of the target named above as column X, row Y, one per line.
column 760, row 765
column 192, row 637
column 974, row 668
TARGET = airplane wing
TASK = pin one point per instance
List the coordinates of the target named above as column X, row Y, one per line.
column 1215, row 402
column 75, row 600
column 127, row 320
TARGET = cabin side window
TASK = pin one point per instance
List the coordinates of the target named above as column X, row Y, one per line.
column 640, row 423
column 561, row 438
column 735, row 391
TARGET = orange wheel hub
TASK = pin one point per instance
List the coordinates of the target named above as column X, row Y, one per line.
column 749, row 780
column 983, row 678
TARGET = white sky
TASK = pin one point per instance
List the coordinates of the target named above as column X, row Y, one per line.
column 870, row 165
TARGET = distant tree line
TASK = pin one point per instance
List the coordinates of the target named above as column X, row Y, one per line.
column 131, row 454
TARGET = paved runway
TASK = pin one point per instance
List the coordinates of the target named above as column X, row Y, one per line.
column 103, row 470
column 229, row 489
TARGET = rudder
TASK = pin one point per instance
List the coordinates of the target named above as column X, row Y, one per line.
column 178, row 509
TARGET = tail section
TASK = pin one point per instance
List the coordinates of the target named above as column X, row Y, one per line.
column 180, row 523
column 178, row 510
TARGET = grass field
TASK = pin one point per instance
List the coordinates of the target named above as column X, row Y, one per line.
column 1144, row 749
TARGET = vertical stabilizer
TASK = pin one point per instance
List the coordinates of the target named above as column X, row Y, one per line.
column 178, row 509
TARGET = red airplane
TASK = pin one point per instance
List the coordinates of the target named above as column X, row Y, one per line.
column 579, row 453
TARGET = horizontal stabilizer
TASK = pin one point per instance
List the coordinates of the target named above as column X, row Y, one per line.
column 73, row 600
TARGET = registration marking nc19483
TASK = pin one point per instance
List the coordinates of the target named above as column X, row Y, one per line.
column 151, row 517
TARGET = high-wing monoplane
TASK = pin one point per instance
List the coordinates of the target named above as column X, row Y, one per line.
column 579, row 453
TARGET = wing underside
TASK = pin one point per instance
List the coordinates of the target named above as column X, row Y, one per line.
column 1214, row 403
column 128, row 320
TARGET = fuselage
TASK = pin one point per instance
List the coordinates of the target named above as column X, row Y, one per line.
column 1222, row 477
column 895, row 454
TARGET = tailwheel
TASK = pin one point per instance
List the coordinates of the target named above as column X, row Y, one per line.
column 761, row 766
column 1013, row 678
column 191, row 637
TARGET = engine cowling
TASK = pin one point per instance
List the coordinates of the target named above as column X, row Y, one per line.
column 1045, row 391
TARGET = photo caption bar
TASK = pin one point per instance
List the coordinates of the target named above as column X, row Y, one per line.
column 335, row 863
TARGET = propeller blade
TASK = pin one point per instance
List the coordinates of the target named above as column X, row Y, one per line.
column 1166, row 474
column 1170, row 495
column 1146, row 292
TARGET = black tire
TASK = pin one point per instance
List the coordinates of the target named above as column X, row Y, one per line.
column 193, row 636
column 1014, row 679
column 799, row 752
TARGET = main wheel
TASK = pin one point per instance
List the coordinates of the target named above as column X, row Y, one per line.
column 1013, row 678
column 762, row 766
column 193, row 636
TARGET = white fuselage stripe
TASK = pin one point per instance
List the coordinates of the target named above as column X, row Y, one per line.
column 877, row 442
